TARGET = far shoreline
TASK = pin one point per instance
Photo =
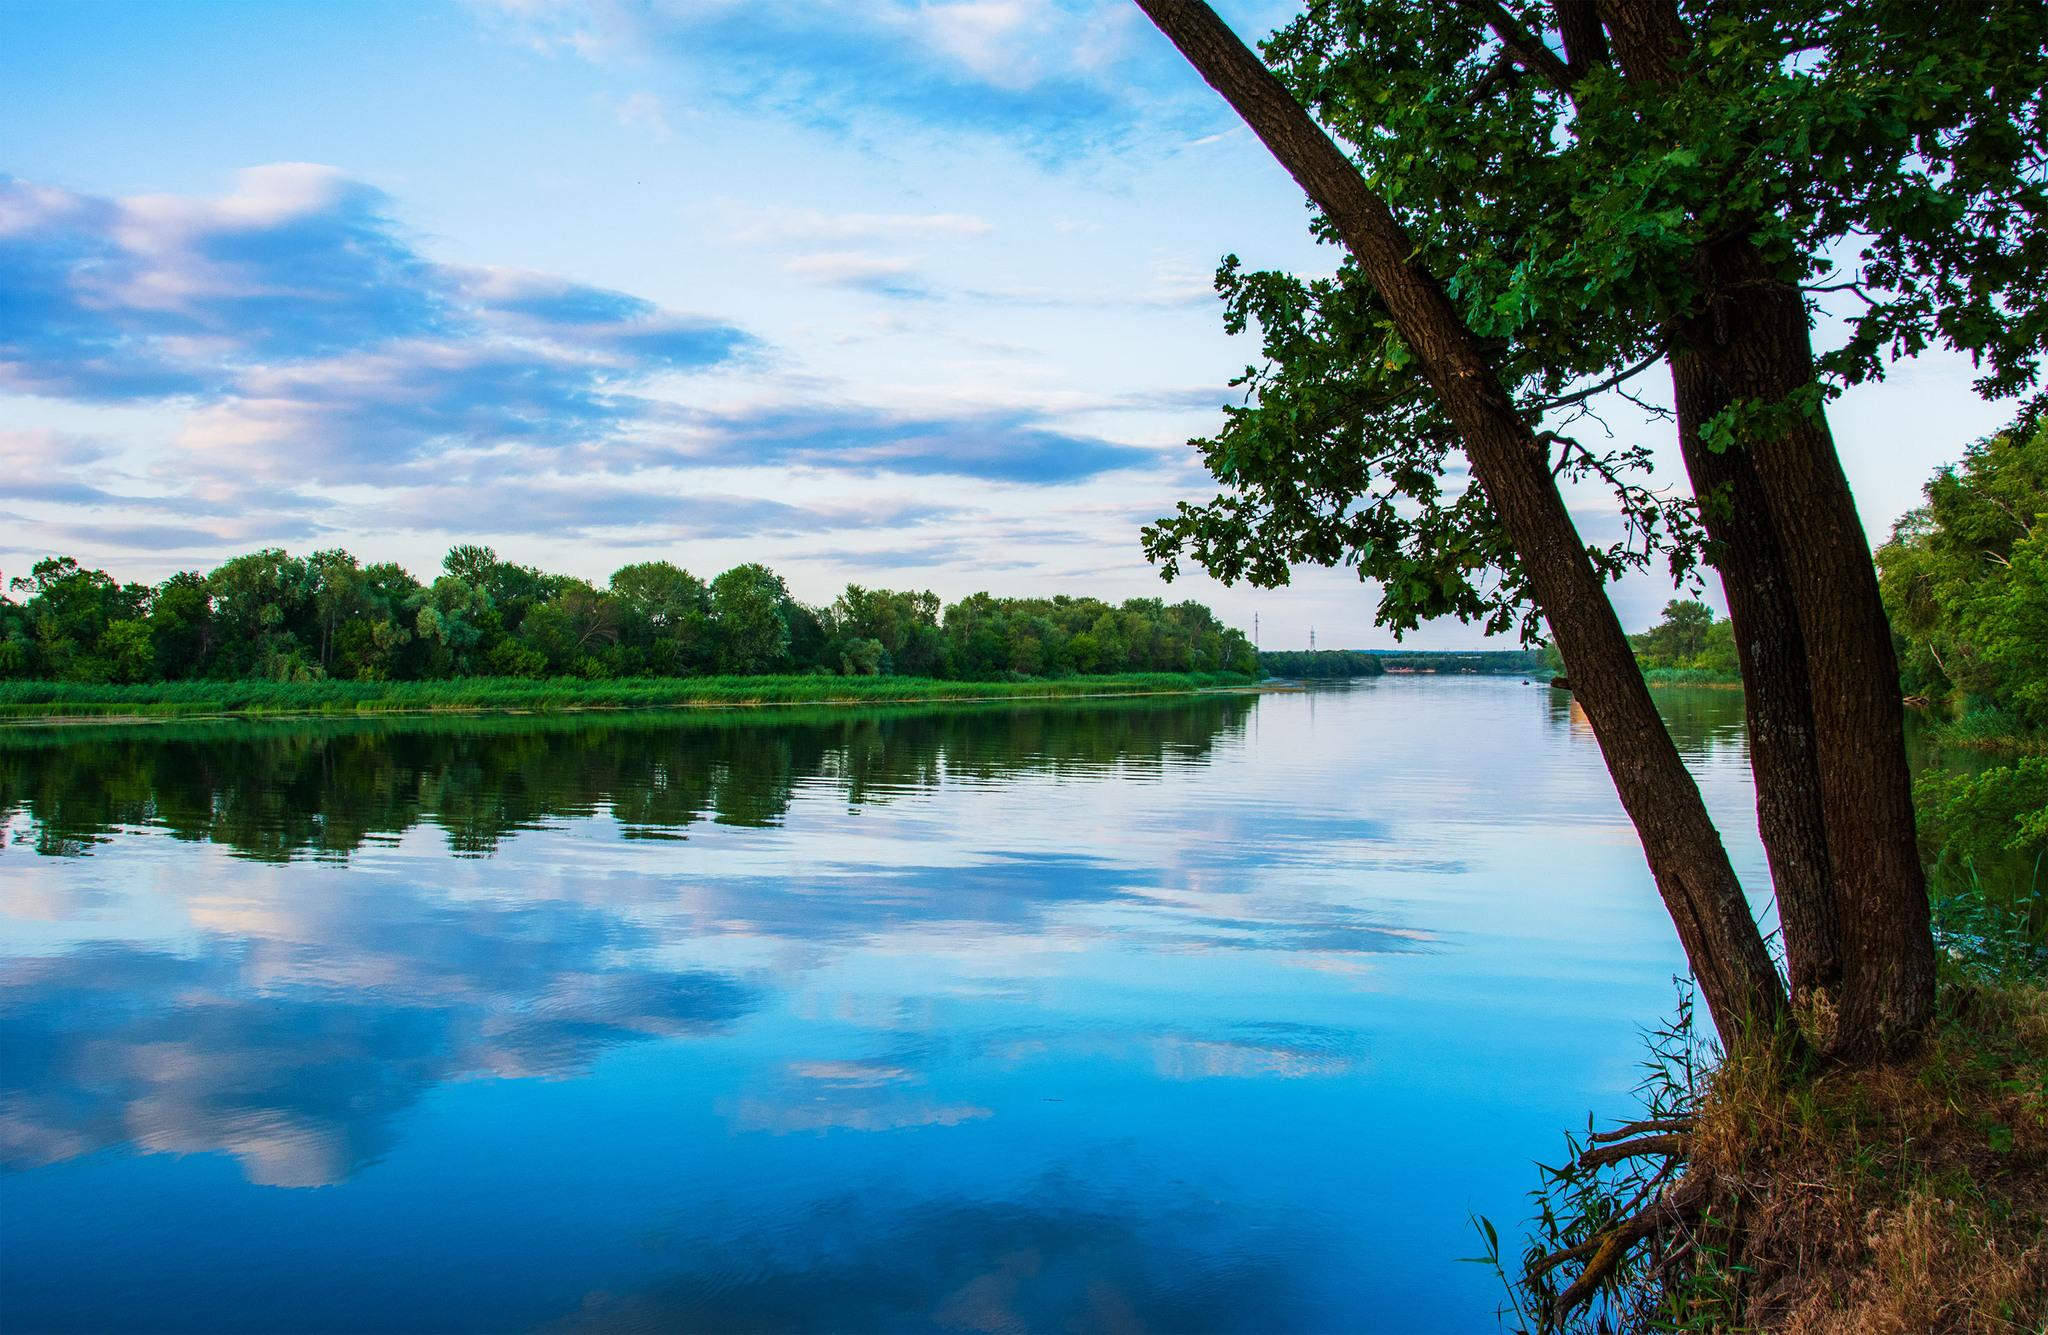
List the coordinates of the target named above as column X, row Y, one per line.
column 46, row 703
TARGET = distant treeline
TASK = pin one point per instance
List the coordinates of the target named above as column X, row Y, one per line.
column 1319, row 664
column 270, row 616
column 1689, row 641
column 1328, row 663
column 1506, row 662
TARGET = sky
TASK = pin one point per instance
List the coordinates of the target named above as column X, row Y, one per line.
column 898, row 294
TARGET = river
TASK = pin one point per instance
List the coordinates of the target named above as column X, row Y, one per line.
column 1181, row 1014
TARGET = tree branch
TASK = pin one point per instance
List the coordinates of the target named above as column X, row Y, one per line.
column 1620, row 377
column 1527, row 46
column 1684, row 1200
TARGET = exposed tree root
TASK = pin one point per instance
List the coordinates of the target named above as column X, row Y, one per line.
column 1674, row 1146
column 1906, row 1199
column 1681, row 1125
column 1677, row 1203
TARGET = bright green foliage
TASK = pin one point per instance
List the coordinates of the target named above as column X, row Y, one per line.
column 1032, row 636
column 1688, row 639
column 276, row 618
column 1965, row 579
column 30, row 700
column 752, row 606
column 80, row 622
column 1567, row 229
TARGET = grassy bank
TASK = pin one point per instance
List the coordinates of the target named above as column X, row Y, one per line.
column 1692, row 677
column 24, row 701
column 1985, row 730
column 1782, row 1195
column 1910, row 1198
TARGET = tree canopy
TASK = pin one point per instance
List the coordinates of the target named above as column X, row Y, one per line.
column 1891, row 153
column 1965, row 579
column 273, row 616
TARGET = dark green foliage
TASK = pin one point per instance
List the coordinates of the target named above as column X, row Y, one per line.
column 270, row 617
column 1903, row 138
column 1321, row 664
column 1985, row 836
column 1965, row 580
column 1496, row 662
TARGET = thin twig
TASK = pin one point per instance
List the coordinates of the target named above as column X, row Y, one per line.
column 1620, row 377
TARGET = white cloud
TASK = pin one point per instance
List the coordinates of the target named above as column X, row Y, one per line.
column 776, row 225
column 646, row 111
column 848, row 268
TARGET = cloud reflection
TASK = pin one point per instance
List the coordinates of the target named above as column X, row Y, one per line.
column 320, row 1004
column 298, row 1057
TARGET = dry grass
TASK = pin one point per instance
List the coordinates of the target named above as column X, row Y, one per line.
column 1910, row 1198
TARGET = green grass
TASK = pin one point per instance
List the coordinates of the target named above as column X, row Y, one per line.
column 28, row 700
column 1987, row 730
column 1691, row 677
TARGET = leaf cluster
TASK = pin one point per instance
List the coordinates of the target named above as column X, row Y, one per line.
column 1894, row 150
column 1965, row 579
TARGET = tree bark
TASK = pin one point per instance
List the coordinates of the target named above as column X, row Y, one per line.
column 1777, row 697
column 1754, row 334
column 1758, row 341
column 1772, row 655
column 1693, row 874
column 1585, row 40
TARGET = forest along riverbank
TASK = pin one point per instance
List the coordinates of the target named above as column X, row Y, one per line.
column 32, row 700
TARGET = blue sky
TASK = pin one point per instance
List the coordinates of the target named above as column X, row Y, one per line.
column 910, row 295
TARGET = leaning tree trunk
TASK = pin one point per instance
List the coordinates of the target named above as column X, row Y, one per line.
column 1693, row 874
column 1777, row 698
column 1755, row 336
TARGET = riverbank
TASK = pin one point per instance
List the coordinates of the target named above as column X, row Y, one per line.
column 1766, row 1194
column 1731, row 681
column 55, row 701
column 1810, row 1199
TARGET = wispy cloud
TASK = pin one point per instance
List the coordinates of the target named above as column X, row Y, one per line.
column 775, row 225
column 317, row 374
column 295, row 310
column 1057, row 76
column 645, row 110
column 993, row 444
column 855, row 268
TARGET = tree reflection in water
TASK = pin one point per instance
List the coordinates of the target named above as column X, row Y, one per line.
column 305, row 788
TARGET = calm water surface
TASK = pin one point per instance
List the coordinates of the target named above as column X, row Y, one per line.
column 1182, row 1015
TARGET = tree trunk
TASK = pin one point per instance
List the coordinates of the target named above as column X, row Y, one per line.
column 1777, row 694
column 1693, row 874
column 1755, row 336
column 1757, row 339
column 1777, row 698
